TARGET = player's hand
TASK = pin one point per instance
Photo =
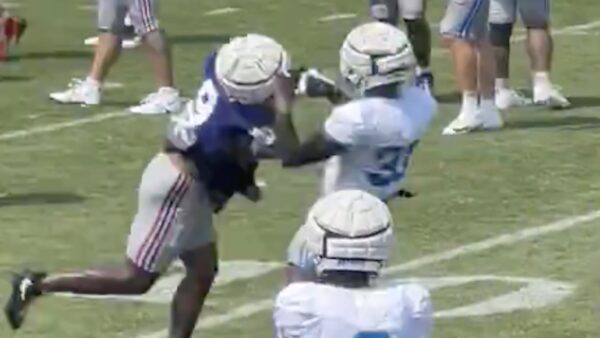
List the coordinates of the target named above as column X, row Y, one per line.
column 284, row 97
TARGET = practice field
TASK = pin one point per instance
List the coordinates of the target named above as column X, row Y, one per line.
column 505, row 228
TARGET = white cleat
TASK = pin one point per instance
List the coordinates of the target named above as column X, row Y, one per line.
column 491, row 118
column 165, row 100
column 551, row 98
column 464, row 123
column 477, row 121
column 126, row 43
column 508, row 98
column 80, row 91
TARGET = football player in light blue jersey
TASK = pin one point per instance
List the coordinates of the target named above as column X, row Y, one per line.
column 333, row 263
column 367, row 142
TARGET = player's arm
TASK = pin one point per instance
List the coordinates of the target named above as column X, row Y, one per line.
column 288, row 147
column 293, row 152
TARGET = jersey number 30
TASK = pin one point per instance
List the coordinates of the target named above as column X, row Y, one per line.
column 392, row 162
column 372, row 334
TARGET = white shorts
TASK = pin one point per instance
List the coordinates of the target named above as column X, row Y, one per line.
column 174, row 216
column 466, row 19
column 534, row 13
column 111, row 15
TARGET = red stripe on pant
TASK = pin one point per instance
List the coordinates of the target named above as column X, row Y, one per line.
column 160, row 241
column 146, row 14
column 158, row 219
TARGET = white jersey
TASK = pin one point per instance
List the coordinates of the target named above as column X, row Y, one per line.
column 379, row 136
column 312, row 310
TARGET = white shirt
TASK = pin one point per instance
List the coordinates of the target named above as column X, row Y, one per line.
column 312, row 310
column 379, row 136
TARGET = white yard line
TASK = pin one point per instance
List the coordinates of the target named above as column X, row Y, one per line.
column 222, row 11
column 258, row 306
column 60, row 125
column 335, row 17
column 11, row 5
column 90, row 8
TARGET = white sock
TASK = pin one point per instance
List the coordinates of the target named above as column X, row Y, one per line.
column 93, row 82
column 541, row 80
column 501, row 84
column 420, row 70
column 488, row 104
column 168, row 90
column 469, row 102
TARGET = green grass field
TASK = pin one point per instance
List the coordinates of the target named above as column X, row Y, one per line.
column 68, row 190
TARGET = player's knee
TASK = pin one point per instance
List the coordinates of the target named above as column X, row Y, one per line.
column 416, row 26
column 382, row 13
column 137, row 281
column 203, row 276
column 500, row 34
column 536, row 23
column 140, row 286
column 156, row 40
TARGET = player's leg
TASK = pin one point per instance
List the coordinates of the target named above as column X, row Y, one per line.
column 111, row 15
column 536, row 18
column 196, row 244
column 413, row 14
column 464, row 29
column 162, row 189
column 502, row 19
column 419, row 33
column 201, row 269
column 166, row 98
column 130, row 38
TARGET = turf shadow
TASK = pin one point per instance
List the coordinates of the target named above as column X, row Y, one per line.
column 553, row 121
column 14, row 78
column 56, row 54
column 584, row 101
column 40, row 198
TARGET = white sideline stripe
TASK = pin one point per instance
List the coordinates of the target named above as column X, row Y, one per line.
column 221, row 11
column 209, row 322
column 61, row 125
column 11, row 5
column 254, row 307
column 112, row 85
column 490, row 243
column 339, row 16
column 88, row 8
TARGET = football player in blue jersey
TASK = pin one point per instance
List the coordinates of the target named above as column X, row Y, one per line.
column 210, row 153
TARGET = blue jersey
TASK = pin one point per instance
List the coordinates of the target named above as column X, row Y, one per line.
column 217, row 135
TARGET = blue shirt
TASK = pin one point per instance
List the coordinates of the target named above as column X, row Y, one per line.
column 215, row 133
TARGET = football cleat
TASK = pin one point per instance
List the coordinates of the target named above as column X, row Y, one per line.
column 165, row 100
column 508, row 98
column 25, row 288
column 478, row 121
column 79, row 91
column 551, row 98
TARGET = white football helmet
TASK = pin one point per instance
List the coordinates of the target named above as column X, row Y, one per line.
column 246, row 67
column 349, row 230
column 375, row 54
